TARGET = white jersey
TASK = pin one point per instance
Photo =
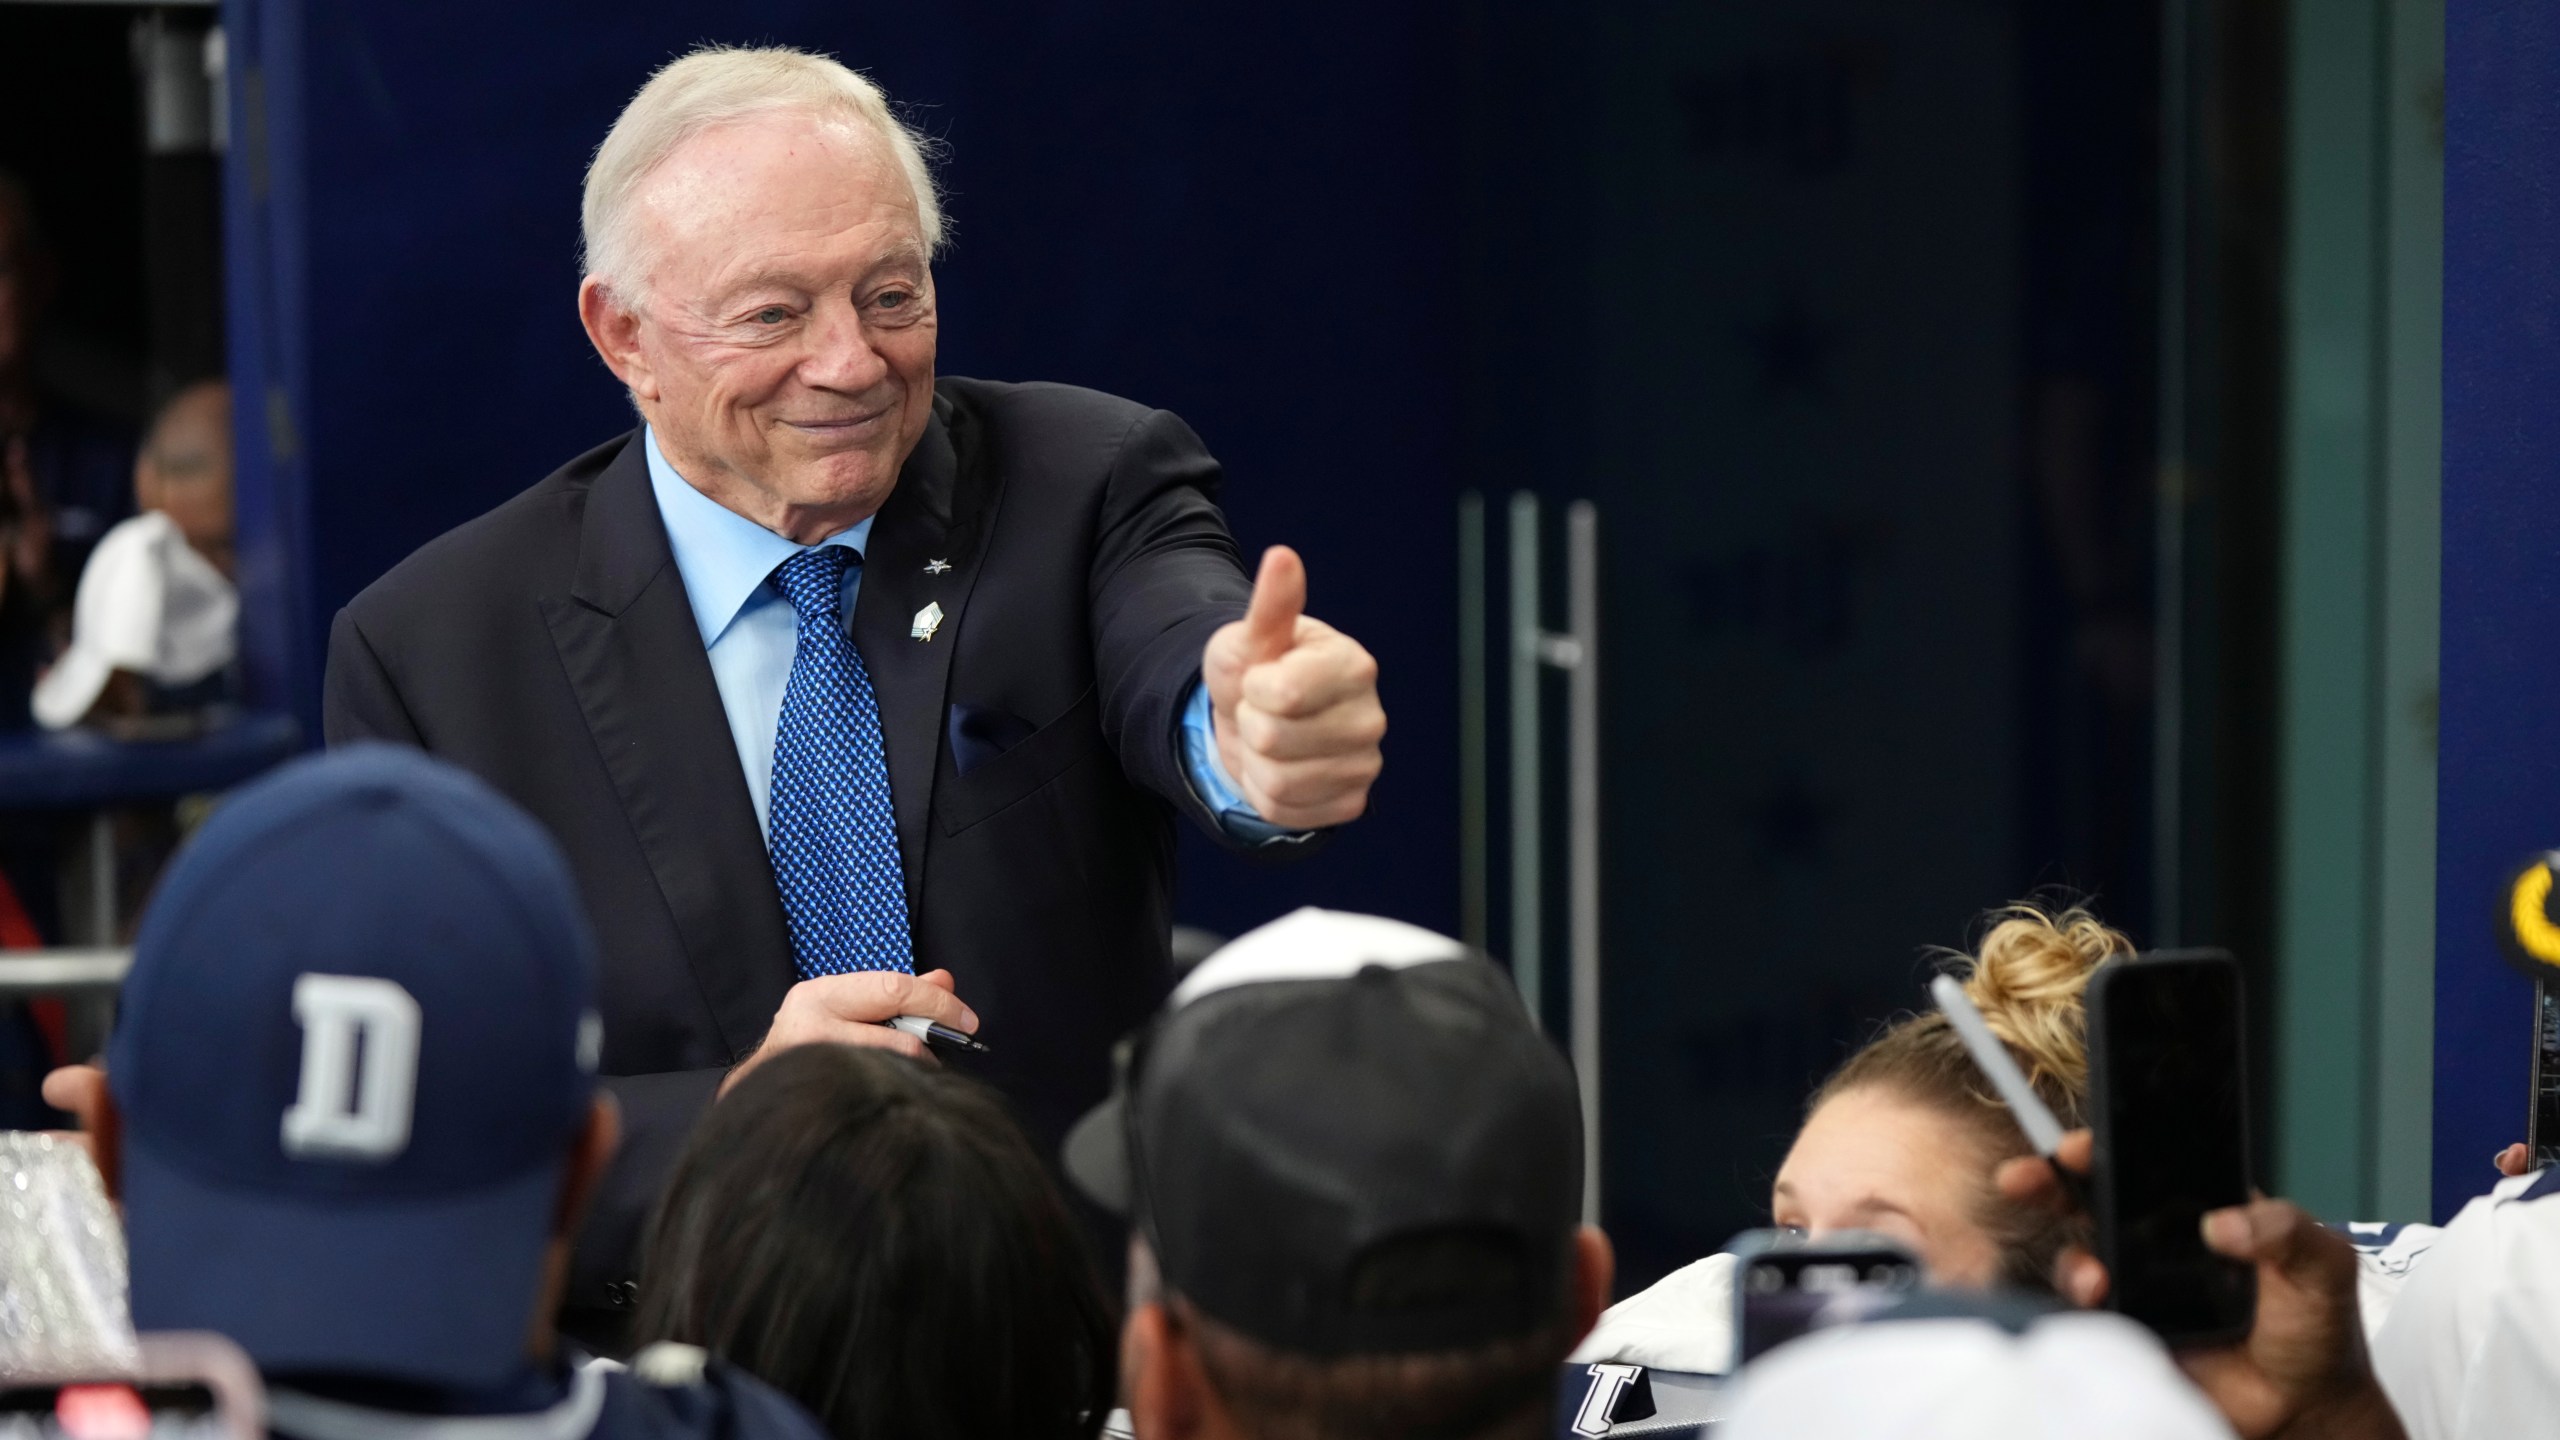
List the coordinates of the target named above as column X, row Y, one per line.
column 2471, row 1348
column 2385, row 1254
column 1684, row 1321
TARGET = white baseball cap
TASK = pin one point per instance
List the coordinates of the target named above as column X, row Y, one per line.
column 2086, row 1374
column 147, row 603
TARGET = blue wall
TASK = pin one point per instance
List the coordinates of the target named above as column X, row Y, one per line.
column 1240, row 216
column 1796, row 294
column 2499, row 776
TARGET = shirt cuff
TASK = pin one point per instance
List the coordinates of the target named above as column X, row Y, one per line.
column 1213, row 787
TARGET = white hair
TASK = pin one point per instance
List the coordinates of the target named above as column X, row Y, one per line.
column 714, row 86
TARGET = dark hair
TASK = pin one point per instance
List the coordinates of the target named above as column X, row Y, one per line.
column 875, row 1238
column 1502, row 1390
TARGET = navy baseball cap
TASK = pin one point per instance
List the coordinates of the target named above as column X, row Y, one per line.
column 353, row 1054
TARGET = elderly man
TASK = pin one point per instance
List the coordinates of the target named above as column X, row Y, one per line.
column 851, row 694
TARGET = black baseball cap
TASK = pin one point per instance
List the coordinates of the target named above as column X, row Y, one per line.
column 1344, row 1136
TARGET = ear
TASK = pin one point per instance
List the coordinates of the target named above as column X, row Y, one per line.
column 587, row 1161
column 1595, row 1269
column 1168, row 1394
column 614, row 329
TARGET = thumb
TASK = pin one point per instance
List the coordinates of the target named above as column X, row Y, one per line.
column 2278, row 1234
column 1279, row 597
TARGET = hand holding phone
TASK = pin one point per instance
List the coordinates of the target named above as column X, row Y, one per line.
column 2303, row 1366
column 2168, row 1096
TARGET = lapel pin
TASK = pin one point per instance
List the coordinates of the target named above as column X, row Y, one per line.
column 937, row 567
column 928, row 620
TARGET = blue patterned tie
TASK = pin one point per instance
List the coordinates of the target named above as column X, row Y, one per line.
column 833, row 837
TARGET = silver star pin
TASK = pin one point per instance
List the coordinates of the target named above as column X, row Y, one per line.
column 937, row 567
column 928, row 620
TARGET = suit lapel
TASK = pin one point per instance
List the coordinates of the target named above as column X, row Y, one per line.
column 923, row 551
column 627, row 639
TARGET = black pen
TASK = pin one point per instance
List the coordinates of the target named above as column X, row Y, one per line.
column 941, row 1037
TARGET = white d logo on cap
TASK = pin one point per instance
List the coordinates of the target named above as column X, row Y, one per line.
column 339, row 1114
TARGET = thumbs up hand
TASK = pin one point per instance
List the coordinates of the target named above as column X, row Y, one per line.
column 1296, row 705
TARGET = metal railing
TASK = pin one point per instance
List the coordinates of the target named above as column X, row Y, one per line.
column 1533, row 651
column 84, row 978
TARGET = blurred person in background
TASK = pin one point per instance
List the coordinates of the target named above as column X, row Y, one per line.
column 350, row 1111
column 873, row 1236
column 836, row 669
column 1902, row 1139
column 66, row 474
column 154, row 621
column 1352, row 1171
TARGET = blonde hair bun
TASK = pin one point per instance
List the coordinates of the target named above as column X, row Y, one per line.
column 2028, row 977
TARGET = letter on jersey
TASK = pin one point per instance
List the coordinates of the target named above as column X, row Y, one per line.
column 1601, row 1401
column 359, row 1068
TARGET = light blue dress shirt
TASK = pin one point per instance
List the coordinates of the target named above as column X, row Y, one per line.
column 751, row 635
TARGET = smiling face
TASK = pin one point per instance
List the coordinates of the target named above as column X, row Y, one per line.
column 782, row 341
column 1868, row 1159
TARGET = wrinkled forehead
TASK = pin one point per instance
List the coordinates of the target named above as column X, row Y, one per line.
column 774, row 187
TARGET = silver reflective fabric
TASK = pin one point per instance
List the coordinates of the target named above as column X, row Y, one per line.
column 62, row 1273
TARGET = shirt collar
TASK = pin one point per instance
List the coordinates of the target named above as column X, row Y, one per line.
column 723, row 556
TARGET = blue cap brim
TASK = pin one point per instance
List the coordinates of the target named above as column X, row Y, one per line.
column 440, row 1292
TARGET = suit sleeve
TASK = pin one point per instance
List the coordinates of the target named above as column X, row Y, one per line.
column 1165, row 575
column 357, row 698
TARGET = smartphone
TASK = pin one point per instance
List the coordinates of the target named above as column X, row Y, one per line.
column 2168, row 1097
column 1785, row 1285
column 181, row 1386
column 2542, row 1114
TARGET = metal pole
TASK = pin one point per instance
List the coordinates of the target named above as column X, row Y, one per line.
column 1582, row 561
column 1527, row 870
column 1474, row 859
column 102, row 878
column 2169, row 529
column 83, row 978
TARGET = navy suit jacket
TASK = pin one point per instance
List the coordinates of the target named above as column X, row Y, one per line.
column 548, row 647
